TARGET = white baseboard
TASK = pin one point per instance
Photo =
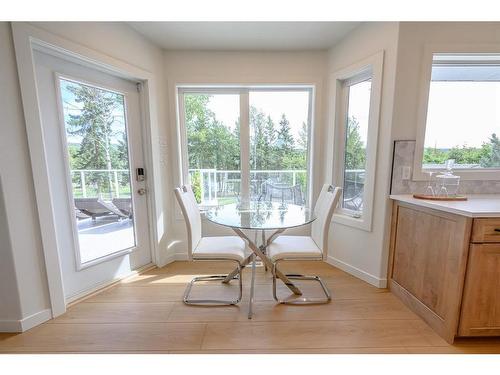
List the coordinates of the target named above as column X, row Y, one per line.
column 173, row 258
column 181, row 256
column 25, row 323
column 359, row 273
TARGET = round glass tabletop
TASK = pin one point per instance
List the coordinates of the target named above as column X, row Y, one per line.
column 261, row 215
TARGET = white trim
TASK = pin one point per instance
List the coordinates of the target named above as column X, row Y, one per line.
column 26, row 38
column 245, row 147
column 358, row 71
column 424, row 87
column 359, row 273
column 25, row 323
column 35, row 319
column 175, row 256
column 180, row 256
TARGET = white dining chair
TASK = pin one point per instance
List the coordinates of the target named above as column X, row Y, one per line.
column 313, row 247
column 224, row 248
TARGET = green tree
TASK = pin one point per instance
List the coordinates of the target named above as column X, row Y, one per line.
column 94, row 124
column 257, row 139
column 211, row 144
column 122, row 153
column 302, row 141
column 285, row 145
column 270, row 136
column 355, row 152
column 486, row 156
column 433, row 155
column 492, row 158
column 285, row 140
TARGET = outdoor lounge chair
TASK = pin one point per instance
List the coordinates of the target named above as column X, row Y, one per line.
column 80, row 215
column 95, row 207
column 124, row 205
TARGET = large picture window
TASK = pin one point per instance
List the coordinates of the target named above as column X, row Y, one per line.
column 463, row 113
column 246, row 143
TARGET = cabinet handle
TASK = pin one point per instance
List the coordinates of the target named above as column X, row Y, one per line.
column 497, row 229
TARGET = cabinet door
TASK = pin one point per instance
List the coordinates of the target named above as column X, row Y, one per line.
column 429, row 256
column 481, row 303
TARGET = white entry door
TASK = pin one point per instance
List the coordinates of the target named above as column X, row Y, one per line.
column 93, row 139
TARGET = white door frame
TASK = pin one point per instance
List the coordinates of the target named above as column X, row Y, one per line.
column 27, row 38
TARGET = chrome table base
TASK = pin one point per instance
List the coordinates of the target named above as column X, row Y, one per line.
column 259, row 251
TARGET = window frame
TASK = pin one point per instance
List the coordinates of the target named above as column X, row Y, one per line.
column 244, row 94
column 419, row 172
column 339, row 83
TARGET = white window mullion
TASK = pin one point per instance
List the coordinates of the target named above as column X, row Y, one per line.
column 245, row 146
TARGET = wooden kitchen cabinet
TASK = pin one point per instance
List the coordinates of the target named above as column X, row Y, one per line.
column 446, row 268
column 481, row 301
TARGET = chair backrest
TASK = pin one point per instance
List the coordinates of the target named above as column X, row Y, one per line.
column 325, row 205
column 192, row 216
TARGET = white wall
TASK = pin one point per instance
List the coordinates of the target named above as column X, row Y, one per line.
column 10, row 306
column 211, row 67
column 26, row 258
column 21, row 252
column 357, row 251
column 413, row 37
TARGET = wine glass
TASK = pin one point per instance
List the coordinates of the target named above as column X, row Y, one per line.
column 429, row 190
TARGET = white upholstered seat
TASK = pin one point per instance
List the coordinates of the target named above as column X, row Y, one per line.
column 313, row 247
column 301, row 247
column 228, row 247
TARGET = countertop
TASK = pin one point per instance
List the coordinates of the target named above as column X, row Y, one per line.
column 477, row 205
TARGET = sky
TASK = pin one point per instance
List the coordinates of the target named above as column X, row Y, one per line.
column 359, row 106
column 462, row 113
column 295, row 104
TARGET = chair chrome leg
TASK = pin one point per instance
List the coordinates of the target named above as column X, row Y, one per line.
column 252, row 290
column 214, row 302
column 301, row 300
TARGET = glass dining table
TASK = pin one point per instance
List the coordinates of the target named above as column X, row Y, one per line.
column 267, row 220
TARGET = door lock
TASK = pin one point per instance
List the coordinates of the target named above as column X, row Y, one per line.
column 140, row 175
column 141, row 191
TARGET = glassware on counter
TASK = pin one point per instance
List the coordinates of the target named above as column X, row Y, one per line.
column 429, row 190
column 447, row 182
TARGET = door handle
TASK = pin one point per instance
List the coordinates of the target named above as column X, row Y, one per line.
column 141, row 191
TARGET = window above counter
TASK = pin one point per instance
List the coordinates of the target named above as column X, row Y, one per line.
column 461, row 116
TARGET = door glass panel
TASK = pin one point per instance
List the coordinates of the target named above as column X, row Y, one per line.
column 213, row 142
column 358, row 110
column 279, row 143
column 96, row 136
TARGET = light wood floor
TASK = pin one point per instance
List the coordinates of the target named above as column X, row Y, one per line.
column 145, row 314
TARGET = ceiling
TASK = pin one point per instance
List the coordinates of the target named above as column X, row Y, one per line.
column 262, row 36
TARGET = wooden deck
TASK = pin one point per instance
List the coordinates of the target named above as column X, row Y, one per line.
column 145, row 314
